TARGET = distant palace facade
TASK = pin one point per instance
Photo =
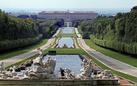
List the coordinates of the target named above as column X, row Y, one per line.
column 68, row 16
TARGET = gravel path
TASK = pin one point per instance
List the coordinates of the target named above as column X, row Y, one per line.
column 108, row 61
column 15, row 59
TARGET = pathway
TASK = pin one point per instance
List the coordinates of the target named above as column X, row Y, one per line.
column 15, row 59
column 108, row 61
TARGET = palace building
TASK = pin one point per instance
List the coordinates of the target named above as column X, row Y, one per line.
column 68, row 16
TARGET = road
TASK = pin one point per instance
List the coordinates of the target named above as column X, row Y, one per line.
column 108, row 61
column 15, row 59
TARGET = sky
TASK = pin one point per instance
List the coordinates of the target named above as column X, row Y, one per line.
column 32, row 4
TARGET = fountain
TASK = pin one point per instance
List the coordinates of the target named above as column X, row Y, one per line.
column 65, row 42
column 42, row 73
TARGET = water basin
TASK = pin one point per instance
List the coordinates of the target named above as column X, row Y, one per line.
column 65, row 40
column 64, row 61
column 67, row 31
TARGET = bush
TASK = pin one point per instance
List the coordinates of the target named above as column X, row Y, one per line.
column 7, row 45
column 85, row 35
column 116, row 45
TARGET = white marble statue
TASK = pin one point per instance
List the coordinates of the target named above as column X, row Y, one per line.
column 2, row 68
column 69, row 74
column 38, row 65
column 41, row 52
column 84, row 64
column 86, row 72
column 51, row 63
column 13, row 71
column 42, row 70
column 106, row 74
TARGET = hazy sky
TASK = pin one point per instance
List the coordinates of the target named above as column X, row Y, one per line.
column 67, row 3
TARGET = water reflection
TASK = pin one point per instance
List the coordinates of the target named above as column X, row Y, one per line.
column 67, row 31
column 66, row 40
column 67, row 61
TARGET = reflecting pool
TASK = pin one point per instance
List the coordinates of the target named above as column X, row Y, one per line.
column 67, row 31
column 66, row 61
column 65, row 40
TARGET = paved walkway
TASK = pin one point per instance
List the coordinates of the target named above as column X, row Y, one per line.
column 15, row 59
column 108, row 61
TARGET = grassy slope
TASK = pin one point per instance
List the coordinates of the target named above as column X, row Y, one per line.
column 24, row 50
column 18, row 63
column 116, row 55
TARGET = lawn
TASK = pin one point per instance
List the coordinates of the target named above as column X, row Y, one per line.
column 70, row 24
column 23, row 50
column 67, row 35
column 65, row 24
column 18, row 63
column 80, row 51
column 114, row 71
column 116, row 55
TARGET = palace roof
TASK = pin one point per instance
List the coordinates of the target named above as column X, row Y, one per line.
column 44, row 12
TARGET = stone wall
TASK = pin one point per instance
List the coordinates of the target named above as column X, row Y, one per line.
column 61, row 82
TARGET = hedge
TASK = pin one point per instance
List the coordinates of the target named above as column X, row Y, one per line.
column 12, row 44
column 116, row 45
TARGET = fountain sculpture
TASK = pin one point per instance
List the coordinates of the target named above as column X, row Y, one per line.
column 45, row 71
column 85, row 73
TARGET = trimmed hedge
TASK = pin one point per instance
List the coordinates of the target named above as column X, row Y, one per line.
column 12, row 44
column 116, row 45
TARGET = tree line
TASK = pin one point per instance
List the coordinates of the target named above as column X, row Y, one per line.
column 16, row 32
column 118, row 33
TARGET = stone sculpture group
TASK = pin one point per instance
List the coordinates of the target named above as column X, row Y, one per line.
column 45, row 70
column 42, row 70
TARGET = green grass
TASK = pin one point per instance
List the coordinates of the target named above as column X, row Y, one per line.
column 67, row 35
column 80, row 32
column 116, row 55
column 43, row 85
column 18, row 63
column 125, row 58
column 28, row 85
column 65, row 24
column 23, row 50
column 66, row 50
column 114, row 71
column 70, row 24
column 59, row 32
column 79, row 51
